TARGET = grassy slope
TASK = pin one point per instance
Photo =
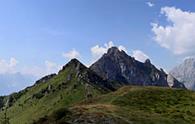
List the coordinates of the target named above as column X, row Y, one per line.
column 35, row 103
column 137, row 105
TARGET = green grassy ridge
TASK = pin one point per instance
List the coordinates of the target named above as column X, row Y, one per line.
column 137, row 105
column 37, row 101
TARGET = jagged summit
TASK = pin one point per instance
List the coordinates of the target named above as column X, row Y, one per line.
column 189, row 60
column 115, row 51
column 74, row 60
column 118, row 66
column 74, row 64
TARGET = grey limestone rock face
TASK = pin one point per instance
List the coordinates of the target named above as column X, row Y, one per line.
column 173, row 82
column 117, row 66
column 185, row 72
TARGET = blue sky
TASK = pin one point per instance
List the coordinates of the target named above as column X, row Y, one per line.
column 39, row 36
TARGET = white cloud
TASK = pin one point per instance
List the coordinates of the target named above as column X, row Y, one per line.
column 33, row 70
column 139, row 55
column 51, row 67
column 16, row 77
column 11, row 66
column 150, row 4
column 8, row 66
column 50, row 64
column 97, row 50
column 13, row 62
column 120, row 47
column 179, row 35
column 71, row 54
column 39, row 71
column 109, row 44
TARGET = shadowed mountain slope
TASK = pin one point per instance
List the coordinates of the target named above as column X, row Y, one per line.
column 116, row 65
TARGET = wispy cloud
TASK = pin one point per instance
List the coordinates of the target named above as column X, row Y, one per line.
column 39, row 71
column 8, row 66
column 139, row 55
column 71, row 54
column 97, row 51
column 150, row 4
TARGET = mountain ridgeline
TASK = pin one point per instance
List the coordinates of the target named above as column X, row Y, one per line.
column 81, row 95
column 116, row 65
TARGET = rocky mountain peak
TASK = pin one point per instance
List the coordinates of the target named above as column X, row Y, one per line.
column 117, row 66
column 190, row 62
column 113, row 50
column 76, row 70
column 74, row 64
column 190, row 59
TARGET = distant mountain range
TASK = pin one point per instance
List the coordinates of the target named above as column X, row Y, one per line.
column 185, row 72
column 117, row 89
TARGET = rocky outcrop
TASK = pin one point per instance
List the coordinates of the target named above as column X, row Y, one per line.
column 117, row 66
column 174, row 83
column 185, row 72
column 86, row 75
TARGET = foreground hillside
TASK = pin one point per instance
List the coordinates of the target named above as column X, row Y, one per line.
column 81, row 95
column 130, row 105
